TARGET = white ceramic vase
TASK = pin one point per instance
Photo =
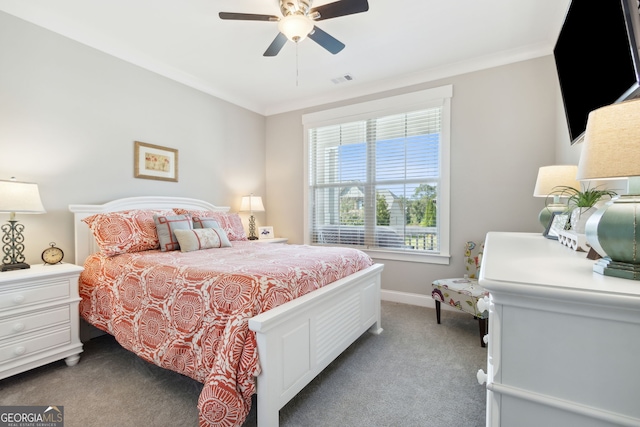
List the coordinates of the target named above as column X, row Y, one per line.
column 579, row 217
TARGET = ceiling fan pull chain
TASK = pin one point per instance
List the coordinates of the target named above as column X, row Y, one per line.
column 297, row 68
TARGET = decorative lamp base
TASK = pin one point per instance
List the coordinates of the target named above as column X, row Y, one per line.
column 13, row 246
column 252, row 228
column 612, row 231
column 547, row 212
column 624, row 270
column 16, row 266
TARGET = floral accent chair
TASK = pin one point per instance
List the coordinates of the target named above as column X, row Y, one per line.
column 463, row 293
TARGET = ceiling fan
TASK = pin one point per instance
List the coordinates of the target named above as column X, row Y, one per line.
column 298, row 21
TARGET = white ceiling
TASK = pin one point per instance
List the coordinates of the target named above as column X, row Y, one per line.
column 395, row 44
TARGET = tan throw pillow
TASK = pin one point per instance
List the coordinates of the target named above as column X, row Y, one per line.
column 201, row 238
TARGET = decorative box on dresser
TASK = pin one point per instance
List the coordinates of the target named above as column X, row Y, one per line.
column 564, row 342
column 39, row 317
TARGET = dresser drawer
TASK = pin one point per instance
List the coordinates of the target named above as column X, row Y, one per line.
column 37, row 292
column 22, row 348
column 15, row 325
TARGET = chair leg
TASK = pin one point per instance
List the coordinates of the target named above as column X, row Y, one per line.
column 438, row 310
column 482, row 324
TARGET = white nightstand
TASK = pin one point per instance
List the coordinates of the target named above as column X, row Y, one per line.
column 274, row 240
column 39, row 317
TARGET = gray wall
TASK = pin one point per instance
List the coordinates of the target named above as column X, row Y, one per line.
column 504, row 127
column 69, row 116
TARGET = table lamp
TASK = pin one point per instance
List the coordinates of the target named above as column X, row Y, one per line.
column 16, row 197
column 252, row 204
column 611, row 150
column 547, row 183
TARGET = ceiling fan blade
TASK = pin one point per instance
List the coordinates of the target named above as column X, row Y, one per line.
column 248, row 17
column 328, row 42
column 276, row 45
column 339, row 8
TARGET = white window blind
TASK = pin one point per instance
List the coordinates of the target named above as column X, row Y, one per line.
column 375, row 182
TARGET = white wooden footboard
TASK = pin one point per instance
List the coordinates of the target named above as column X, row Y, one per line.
column 297, row 340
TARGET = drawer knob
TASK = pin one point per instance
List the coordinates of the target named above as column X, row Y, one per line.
column 18, row 299
column 483, row 304
column 485, row 339
column 19, row 351
column 18, row 327
column 481, row 376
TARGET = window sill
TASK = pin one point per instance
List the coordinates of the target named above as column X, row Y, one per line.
column 425, row 258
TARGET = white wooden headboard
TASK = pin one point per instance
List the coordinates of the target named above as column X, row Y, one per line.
column 85, row 244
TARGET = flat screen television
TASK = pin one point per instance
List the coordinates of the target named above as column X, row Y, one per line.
column 597, row 58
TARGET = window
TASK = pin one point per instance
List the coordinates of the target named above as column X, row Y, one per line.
column 378, row 176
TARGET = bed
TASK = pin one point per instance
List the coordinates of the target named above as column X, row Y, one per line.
column 289, row 334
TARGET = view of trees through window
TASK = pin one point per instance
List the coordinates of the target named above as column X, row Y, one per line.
column 420, row 209
column 375, row 181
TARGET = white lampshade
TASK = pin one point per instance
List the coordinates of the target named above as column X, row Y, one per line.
column 550, row 177
column 611, row 146
column 251, row 204
column 295, row 27
column 21, row 197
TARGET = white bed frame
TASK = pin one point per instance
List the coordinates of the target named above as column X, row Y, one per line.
column 296, row 340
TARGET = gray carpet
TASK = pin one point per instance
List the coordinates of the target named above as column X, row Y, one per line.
column 416, row 373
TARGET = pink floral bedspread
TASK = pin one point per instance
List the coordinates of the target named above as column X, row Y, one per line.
column 189, row 312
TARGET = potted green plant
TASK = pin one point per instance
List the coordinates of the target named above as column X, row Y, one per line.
column 582, row 203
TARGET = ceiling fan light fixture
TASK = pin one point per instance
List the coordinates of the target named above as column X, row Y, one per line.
column 295, row 27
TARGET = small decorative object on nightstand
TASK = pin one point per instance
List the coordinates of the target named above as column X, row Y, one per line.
column 266, row 232
column 39, row 320
column 52, row 255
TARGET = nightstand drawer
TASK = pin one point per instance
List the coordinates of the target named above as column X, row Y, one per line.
column 25, row 347
column 30, row 322
column 39, row 292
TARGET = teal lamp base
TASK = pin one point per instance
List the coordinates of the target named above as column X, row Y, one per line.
column 614, row 233
column 624, row 270
column 547, row 212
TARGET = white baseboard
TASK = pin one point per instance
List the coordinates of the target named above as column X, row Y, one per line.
column 412, row 299
column 407, row 298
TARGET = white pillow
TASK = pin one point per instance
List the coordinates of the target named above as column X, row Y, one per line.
column 202, row 238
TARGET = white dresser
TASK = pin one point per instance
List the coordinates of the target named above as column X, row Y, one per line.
column 564, row 342
column 39, row 317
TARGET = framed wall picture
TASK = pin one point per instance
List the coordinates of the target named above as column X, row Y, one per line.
column 265, row 233
column 557, row 223
column 155, row 162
